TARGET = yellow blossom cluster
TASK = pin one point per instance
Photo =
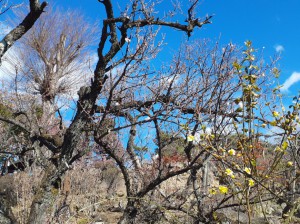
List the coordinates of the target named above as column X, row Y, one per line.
column 251, row 182
column 190, row 138
column 222, row 190
column 247, row 170
column 231, row 152
column 229, row 172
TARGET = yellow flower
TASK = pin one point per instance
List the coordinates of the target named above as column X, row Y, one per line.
column 247, row 170
column 239, row 155
column 212, row 191
column 215, row 216
column 275, row 114
column 284, row 145
column 229, row 173
column 237, row 166
column 237, row 66
column 190, row 138
column 231, row 152
column 289, row 163
column 263, row 125
column 251, row 183
column 273, row 123
column 278, row 149
column 223, row 189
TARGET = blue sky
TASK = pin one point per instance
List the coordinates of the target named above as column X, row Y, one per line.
column 272, row 25
column 268, row 24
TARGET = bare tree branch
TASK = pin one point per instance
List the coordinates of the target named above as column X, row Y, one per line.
column 36, row 9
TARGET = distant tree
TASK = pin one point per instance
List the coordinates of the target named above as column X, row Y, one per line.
column 53, row 62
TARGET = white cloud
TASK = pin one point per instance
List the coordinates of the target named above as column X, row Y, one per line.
column 295, row 77
column 4, row 29
column 279, row 48
column 10, row 62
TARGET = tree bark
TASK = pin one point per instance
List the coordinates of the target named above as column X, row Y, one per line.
column 130, row 213
column 7, row 200
column 43, row 205
column 36, row 9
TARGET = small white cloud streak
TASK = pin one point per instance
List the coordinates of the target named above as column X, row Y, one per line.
column 279, row 48
column 294, row 78
column 4, row 29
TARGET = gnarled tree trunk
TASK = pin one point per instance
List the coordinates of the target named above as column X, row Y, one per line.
column 43, row 205
column 7, row 201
